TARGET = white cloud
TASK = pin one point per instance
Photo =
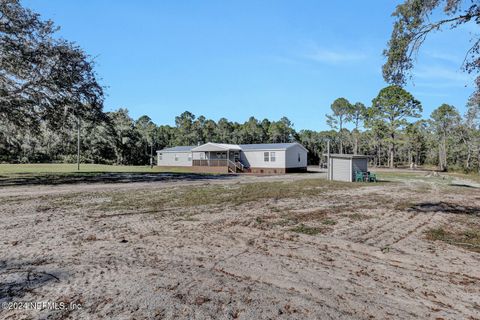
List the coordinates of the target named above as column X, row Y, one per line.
column 443, row 74
column 334, row 56
column 445, row 57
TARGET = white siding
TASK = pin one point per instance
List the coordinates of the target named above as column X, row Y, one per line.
column 168, row 159
column 292, row 154
column 341, row 169
column 255, row 158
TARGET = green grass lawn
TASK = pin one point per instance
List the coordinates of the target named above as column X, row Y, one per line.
column 56, row 173
column 65, row 168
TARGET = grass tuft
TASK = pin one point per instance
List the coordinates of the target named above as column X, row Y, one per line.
column 329, row 222
column 311, row 231
column 468, row 239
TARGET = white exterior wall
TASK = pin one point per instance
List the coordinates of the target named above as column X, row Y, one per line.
column 254, row 159
column 341, row 169
column 292, row 157
column 168, row 159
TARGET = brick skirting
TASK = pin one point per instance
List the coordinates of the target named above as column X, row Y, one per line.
column 196, row 169
column 276, row 170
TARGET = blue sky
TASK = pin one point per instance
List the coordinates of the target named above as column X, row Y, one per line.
column 235, row 59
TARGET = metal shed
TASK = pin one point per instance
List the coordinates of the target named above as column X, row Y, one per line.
column 342, row 167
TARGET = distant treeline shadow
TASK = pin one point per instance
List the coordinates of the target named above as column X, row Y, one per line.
column 444, row 207
column 55, row 179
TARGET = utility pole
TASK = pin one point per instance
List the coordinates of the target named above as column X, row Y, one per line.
column 151, row 155
column 78, row 143
column 328, row 160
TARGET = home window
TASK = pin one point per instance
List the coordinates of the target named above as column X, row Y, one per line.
column 299, row 157
column 202, row 156
column 160, row 156
column 265, row 156
column 272, row 157
column 189, row 157
column 176, row 157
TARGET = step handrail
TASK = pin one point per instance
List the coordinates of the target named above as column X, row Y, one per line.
column 241, row 167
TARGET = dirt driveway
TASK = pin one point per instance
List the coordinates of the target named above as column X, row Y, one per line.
column 277, row 247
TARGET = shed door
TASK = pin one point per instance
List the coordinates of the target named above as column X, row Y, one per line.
column 341, row 169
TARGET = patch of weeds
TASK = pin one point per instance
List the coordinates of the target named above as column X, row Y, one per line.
column 329, row 222
column 284, row 222
column 191, row 218
column 259, row 220
column 186, row 217
column 14, row 200
column 290, row 218
column 436, row 234
column 274, row 209
column 171, row 199
column 403, row 206
column 468, row 239
column 64, row 201
column 43, row 208
column 304, row 216
column 385, row 249
column 311, row 231
column 357, row 217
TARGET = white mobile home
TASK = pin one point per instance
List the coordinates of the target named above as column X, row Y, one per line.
column 220, row 157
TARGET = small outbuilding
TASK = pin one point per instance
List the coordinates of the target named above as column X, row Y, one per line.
column 342, row 167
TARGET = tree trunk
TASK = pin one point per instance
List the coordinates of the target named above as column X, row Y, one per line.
column 445, row 167
column 379, row 154
column 442, row 150
column 355, row 149
column 392, row 151
column 440, row 161
column 469, row 155
column 340, row 136
column 478, row 159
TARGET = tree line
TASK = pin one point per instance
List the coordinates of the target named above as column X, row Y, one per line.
column 390, row 131
column 49, row 90
column 394, row 132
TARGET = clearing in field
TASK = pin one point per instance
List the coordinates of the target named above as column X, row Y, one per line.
column 294, row 246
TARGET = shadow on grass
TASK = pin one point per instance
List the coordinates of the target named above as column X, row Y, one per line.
column 463, row 185
column 18, row 279
column 104, row 177
column 444, row 207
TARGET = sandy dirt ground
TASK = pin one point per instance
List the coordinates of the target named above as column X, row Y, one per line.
column 367, row 259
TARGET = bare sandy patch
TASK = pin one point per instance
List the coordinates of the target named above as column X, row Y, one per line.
column 246, row 248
